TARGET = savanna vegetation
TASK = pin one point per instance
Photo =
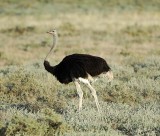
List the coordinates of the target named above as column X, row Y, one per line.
column 124, row 32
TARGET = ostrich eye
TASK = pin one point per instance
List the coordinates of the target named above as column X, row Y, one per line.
column 53, row 31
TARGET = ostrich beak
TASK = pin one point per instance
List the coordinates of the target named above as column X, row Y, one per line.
column 49, row 32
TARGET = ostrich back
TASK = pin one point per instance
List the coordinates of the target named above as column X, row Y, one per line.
column 79, row 65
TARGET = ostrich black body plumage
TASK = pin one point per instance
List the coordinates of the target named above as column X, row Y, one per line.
column 77, row 65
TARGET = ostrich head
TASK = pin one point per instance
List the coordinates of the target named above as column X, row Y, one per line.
column 52, row 32
column 55, row 38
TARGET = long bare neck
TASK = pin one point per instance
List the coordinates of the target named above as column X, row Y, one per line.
column 55, row 39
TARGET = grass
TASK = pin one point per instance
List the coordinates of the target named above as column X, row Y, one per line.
column 125, row 33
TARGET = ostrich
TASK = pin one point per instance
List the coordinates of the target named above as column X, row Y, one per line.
column 78, row 68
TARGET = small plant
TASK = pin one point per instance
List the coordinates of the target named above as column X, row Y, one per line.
column 18, row 30
column 68, row 29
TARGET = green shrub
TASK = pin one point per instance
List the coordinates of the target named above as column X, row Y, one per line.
column 22, row 122
column 28, row 89
column 25, row 126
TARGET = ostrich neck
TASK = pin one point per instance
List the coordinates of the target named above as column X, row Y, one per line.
column 55, row 37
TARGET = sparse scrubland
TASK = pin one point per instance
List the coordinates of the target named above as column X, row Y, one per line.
column 124, row 32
